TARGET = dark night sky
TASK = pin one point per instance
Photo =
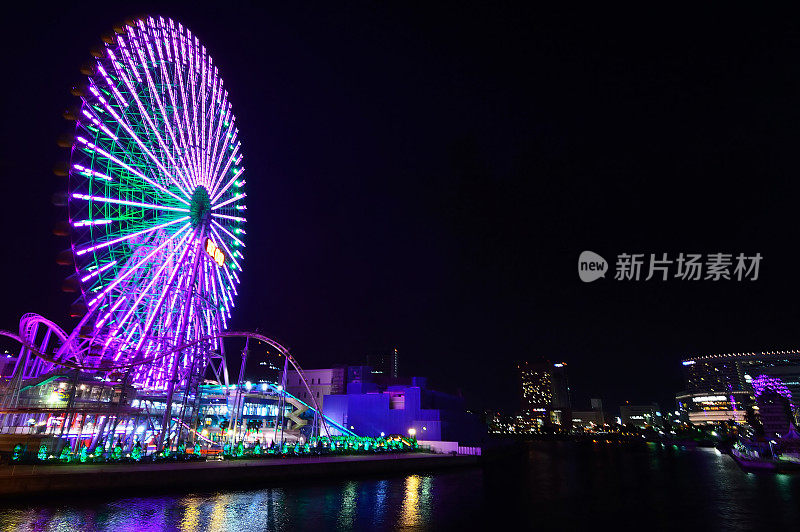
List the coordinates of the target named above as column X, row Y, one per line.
column 426, row 176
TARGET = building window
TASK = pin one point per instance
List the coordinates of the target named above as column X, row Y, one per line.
column 397, row 401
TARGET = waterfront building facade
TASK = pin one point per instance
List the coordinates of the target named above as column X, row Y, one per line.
column 641, row 416
column 719, row 388
column 587, row 419
column 321, row 381
column 406, row 406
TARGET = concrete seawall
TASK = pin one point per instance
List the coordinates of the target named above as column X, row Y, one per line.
column 27, row 479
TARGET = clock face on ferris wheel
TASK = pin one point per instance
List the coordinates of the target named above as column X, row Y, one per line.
column 155, row 201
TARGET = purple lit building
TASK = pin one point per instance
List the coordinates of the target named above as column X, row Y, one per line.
column 720, row 387
column 369, row 409
column 774, row 405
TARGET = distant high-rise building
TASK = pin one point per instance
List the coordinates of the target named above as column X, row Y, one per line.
column 545, row 392
column 384, row 363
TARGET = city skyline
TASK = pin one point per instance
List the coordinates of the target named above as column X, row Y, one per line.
column 434, row 191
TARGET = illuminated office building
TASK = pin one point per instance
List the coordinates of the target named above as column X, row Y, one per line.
column 544, row 388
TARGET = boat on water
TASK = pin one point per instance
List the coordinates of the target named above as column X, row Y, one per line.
column 778, row 456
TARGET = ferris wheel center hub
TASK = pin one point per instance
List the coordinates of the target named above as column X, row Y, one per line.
column 200, row 209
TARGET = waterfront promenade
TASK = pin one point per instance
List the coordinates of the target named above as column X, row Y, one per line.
column 26, row 479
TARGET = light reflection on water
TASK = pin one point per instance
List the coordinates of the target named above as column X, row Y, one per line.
column 551, row 486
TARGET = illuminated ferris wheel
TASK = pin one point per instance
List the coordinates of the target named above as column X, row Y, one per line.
column 156, row 204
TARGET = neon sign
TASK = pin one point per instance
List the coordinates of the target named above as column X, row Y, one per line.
column 214, row 252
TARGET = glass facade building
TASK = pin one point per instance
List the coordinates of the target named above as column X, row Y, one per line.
column 719, row 387
column 545, row 397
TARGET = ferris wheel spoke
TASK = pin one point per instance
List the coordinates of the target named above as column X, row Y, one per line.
column 135, row 305
column 223, row 290
column 192, row 75
column 129, row 271
column 128, row 203
column 96, row 121
column 155, row 92
column 206, row 94
column 211, row 112
column 153, row 129
column 234, row 237
column 181, row 147
column 93, row 147
column 129, row 130
column 228, row 184
column 228, row 201
column 228, row 144
column 125, row 343
column 114, row 90
column 164, row 292
column 221, row 175
column 98, row 271
column 227, row 249
column 156, row 163
column 215, row 155
column 178, row 74
column 91, row 173
column 227, row 217
column 128, row 236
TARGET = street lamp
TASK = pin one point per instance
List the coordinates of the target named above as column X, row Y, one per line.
column 412, row 432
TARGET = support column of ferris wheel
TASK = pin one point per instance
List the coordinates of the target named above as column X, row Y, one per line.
column 200, row 232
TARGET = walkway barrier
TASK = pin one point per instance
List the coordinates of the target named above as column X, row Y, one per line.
column 448, row 447
column 472, row 451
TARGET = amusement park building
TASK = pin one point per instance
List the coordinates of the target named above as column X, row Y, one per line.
column 718, row 387
column 321, row 381
column 371, row 408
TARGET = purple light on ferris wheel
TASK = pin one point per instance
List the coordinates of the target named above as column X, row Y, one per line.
column 97, row 123
column 154, row 129
column 129, row 271
column 130, row 235
column 93, row 147
column 98, row 271
column 89, row 172
column 102, row 199
column 86, row 223
column 150, row 123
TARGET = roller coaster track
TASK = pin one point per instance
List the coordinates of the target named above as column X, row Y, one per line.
column 60, row 358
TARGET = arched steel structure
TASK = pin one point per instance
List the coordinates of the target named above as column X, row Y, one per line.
column 63, row 360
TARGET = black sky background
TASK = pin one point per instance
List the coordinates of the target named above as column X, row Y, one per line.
column 425, row 176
